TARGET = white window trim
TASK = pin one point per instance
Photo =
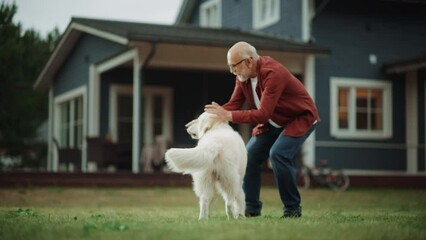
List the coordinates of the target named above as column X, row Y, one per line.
column 148, row 92
column 352, row 133
column 58, row 100
column 308, row 11
column 257, row 23
column 167, row 92
column 206, row 5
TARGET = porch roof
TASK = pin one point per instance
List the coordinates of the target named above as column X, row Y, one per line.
column 186, row 34
column 177, row 46
column 406, row 65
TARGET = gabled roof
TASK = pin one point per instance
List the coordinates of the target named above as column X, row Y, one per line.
column 126, row 33
column 185, row 11
column 196, row 35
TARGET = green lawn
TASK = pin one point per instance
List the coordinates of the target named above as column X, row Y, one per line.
column 171, row 213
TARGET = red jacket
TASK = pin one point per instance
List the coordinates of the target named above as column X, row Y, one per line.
column 283, row 99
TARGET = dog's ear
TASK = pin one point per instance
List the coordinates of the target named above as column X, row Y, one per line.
column 207, row 123
column 191, row 123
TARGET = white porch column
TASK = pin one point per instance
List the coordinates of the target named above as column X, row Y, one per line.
column 50, row 147
column 411, row 118
column 136, row 113
column 307, row 14
column 94, row 99
column 308, row 149
column 93, row 130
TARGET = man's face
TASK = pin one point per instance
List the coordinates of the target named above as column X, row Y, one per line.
column 239, row 67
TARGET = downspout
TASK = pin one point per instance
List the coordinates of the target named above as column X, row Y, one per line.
column 138, row 140
column 150, row 54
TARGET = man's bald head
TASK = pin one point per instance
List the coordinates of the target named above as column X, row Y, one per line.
column 242, row 50
column 242, row 61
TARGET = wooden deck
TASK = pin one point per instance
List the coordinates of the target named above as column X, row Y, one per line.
column 127, row 179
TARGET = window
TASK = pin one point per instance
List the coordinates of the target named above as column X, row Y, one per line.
column 158, row 113
column 71, row 122
column 360, row 108
column 265, row 13
column 157, row 116
column 211, row 13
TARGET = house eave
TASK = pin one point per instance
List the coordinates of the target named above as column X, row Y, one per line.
column 185, row 11
column 260, row 45
column 156, row 34
column 64, row 47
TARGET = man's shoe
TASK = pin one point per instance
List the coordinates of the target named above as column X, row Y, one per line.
column 292, row 213
column 252, row 214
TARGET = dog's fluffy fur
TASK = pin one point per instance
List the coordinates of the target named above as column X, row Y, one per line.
column 217, row 162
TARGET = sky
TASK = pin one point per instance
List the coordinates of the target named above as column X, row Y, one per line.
column 44, row 15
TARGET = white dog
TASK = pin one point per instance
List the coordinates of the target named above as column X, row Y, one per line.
column 217, row 162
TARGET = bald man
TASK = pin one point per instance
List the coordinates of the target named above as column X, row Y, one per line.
column 284, row 115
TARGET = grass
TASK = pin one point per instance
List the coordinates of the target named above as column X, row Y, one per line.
column 171, row 213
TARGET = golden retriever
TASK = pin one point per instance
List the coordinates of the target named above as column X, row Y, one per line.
column 217, row 164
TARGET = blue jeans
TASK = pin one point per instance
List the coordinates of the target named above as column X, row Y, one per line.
column 281, row 150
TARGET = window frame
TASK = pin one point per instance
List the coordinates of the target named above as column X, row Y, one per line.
column 352, row 84
column 204, row 7
column 70, row 98
column 270, row 20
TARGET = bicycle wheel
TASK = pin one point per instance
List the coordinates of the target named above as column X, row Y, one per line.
column 303, row 179
column 338, row 181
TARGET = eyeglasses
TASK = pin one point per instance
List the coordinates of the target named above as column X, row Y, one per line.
column 236, row 64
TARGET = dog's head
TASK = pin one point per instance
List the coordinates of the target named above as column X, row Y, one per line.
column 198, row 127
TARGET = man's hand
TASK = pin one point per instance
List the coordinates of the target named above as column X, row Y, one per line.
column 219, row 111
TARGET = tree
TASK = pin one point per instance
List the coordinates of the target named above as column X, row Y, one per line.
column 22, row 57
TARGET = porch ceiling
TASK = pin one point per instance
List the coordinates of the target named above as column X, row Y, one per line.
column 204, row 58
column 406, row 65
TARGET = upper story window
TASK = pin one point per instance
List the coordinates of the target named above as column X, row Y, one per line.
column 265, row 13
column 360, row 108
column 211, row 14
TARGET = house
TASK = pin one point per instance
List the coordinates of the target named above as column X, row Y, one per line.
column 115, row 87
column 363, row 62
column 370, row 90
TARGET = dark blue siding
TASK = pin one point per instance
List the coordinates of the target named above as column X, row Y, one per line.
column 88, row 50
column 353, row 30
column 239, row 15
column 365, row 159
column 290, row 23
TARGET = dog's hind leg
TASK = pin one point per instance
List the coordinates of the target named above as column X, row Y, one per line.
column 228, row 195
column 204, row 207
column 204, row 190
column 240, row 202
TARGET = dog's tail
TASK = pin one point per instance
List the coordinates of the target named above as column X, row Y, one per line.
column 190, row 160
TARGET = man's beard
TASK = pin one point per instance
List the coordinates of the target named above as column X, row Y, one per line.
column 241, row 78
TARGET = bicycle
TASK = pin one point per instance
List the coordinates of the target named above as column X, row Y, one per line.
column 337, row 180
